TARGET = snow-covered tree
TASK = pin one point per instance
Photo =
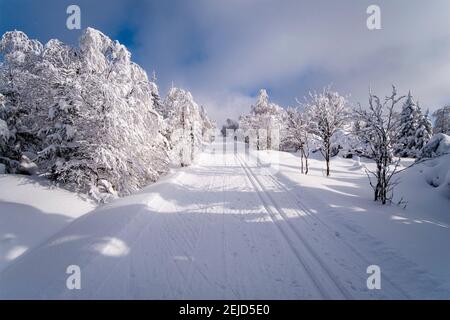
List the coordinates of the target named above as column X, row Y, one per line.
column 18, row 86
column 424, row 132
column 208, row 126
column 230, row 124
column 442, row 120
column 84, row 115
column 410, row 117
column 262, row 126
column 58, row 73
column 295, row 135
column 4, row 130
column 120, row 146
column 158, row 104
column 186, row 124
column 380, row 130
column 327, row 112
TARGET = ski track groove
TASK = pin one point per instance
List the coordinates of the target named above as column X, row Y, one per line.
column 330, row 230
column 193, row 267
column 322, row 290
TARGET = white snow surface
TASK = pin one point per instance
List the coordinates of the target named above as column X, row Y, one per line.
column 437, row 146
column 238, row 226
column 31, row 211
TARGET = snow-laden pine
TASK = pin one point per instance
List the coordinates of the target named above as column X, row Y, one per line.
column 415, row 129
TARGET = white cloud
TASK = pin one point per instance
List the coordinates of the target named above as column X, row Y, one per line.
column 268, row 43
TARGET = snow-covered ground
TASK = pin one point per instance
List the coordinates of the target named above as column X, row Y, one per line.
column 235, row 228
column 406, row 239
column 31, row 210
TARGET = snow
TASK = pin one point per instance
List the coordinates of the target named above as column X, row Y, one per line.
column 4, row 132
column 402, row 238
column 438, row 145
column 26, row 166
column 229, row 223
column 436, row 174
column 230, row 227
column 31, row 210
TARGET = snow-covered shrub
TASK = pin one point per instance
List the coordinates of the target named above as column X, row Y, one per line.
column 437, row 146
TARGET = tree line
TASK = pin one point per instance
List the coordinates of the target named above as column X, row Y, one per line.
column 380, row 130
column 89, row 117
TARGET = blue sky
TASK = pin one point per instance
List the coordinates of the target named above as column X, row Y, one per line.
column 224, row 51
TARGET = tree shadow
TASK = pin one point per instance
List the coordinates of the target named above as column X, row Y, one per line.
column 22, row 227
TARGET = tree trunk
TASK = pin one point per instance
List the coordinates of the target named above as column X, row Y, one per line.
column 327, row 157
column 301, row 161
column 306, row 165
column 378, row 186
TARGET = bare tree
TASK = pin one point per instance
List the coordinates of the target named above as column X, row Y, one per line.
column 327, row 113
column 380, row 131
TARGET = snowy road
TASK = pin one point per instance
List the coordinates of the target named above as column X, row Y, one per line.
column 225, row 228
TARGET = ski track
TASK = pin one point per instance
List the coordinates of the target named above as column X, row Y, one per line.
column 329, row 231
column 328, row 288
column 398, row 271
column 222, row 229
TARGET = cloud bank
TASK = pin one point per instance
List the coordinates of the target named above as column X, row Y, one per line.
column 224, row 51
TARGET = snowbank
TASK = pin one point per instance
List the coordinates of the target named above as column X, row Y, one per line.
column 437, row 146
column 31, row 210
column 436, row 173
